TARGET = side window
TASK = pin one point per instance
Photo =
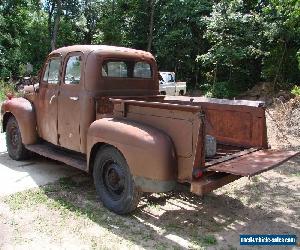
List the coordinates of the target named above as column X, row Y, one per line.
column 114, row 69
column 73, row 70
column 51, row 74
column 45, row 77
column 142, row 70
column 170, row 78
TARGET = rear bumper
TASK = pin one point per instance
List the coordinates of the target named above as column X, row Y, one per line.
column 211, row 182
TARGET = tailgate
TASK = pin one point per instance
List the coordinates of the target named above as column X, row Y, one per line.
column 253, row 163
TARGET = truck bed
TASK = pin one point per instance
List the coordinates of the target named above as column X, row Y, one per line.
column 238, row 126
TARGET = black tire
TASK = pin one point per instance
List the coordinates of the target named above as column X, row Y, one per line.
column 113, row 181
column 15, row 147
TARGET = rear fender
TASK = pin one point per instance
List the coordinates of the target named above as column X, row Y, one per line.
column 149, row 152
column 24, row 113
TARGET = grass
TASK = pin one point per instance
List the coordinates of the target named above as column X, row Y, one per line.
column 297, row 174
column 204, row 240
column 71, row 206
column 68, row 209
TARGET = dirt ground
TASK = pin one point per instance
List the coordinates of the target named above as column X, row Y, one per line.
column 66, row 215
column 16, row 176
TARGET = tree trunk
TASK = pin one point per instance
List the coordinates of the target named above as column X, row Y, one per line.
column 279, row 66
column 56, row 26
column 50, row 14
column 88, row 14
column 150, row 37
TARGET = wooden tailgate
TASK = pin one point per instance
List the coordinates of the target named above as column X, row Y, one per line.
column 253, row 163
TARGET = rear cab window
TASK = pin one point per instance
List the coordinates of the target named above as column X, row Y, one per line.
column 126, row 69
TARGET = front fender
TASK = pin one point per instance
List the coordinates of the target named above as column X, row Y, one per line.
column 148, row 151
column 24, row 113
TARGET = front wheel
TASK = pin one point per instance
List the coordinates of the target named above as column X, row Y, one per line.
column 15, row 147
column 114, row 183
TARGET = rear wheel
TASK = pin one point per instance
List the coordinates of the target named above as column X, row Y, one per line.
column 114, row 183
column 15, row 146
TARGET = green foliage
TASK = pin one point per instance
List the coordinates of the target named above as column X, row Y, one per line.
column 219, row 90
column 205, row 240
column 5, row 88
column 234, row 33
column 282, row 32
column 229, row 45
column 296, row 90
column 179, row 37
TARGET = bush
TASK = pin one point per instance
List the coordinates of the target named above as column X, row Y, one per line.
column 296, row 90
column 219, row 90
column 4, row 89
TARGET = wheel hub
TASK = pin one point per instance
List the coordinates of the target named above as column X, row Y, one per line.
column 14, row 137
column 114, row 179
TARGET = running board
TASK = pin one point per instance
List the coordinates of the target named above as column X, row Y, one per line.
column 53, row 152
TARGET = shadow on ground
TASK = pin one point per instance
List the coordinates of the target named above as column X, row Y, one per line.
column 183, row 220
column 267, row 204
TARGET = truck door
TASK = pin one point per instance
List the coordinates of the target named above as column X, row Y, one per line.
column 69, row 103
column 47, row 104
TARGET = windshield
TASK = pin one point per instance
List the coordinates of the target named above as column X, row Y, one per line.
column 167, row 76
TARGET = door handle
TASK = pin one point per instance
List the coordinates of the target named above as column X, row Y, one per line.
column 52, row 98
column 74, row 98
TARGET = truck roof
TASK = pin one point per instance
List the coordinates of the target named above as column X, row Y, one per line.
column 166, row 72
column 104, row 48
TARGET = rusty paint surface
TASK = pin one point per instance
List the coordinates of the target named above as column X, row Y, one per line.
column 233, row 122
column 228, row 155
column 23, row 111
column 55, row 153
column 181, row 122
column 162, row 138
column 148, row 151
column 211, row 182
column 253, row 163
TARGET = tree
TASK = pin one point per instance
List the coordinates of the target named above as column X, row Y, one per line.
column 150, row 37
column 282, row 19
column 54, row 9
column 235, row 34
column 179, row 37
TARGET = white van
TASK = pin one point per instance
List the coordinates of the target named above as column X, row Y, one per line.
column 169, row 86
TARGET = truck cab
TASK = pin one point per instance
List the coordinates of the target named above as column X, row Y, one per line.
column 73, row 78
column 97, row 108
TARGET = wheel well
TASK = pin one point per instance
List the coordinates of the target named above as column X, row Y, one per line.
column 93, row 154
column 98, row 146
column 6, row 117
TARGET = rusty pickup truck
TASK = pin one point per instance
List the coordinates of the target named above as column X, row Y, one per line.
column 97, row 108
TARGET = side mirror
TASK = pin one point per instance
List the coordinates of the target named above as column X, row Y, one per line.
column 36, row 87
